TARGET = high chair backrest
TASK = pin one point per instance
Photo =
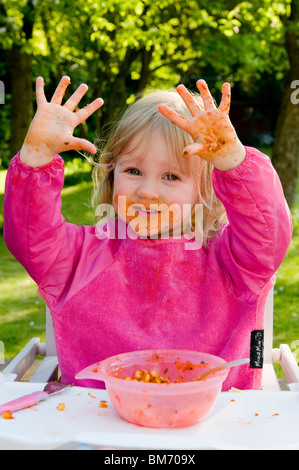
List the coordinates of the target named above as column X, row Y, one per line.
column 268, row 328
column 50, row 341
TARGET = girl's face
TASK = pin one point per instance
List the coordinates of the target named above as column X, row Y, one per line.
column 151, row 193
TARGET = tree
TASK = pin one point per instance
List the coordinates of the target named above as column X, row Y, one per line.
column 266, row 42
column 123, row 47
column 286, row 144
column 134, row 44
column 20, row 66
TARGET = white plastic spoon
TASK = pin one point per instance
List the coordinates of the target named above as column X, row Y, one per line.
column 226, row 365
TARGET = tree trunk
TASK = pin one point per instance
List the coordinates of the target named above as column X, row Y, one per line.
column 21, row 82
column 146, row 57
column 286, row 143
column 118, row 93
column 21, row 92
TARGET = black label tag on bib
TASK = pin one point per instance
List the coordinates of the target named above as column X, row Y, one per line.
column 257, row 349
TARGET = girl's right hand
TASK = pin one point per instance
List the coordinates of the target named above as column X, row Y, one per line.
column 51, row 130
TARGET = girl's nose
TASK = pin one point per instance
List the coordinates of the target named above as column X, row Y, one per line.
column 148, row 190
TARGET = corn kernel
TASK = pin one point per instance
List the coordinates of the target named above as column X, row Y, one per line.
column 148, row 377
column 154, row 374
column 138, row 374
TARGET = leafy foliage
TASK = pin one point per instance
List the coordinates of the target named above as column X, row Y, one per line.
column 120, row 47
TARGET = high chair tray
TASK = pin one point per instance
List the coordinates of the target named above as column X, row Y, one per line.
column 247, row 420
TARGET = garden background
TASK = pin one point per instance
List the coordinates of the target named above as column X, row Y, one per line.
column 121, row 48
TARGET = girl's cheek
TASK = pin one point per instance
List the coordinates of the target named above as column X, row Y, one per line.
column 118, row 204
column 121, row 204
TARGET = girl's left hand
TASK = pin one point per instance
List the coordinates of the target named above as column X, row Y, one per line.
column 214, row 137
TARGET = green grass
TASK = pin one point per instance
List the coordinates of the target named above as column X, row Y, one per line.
column 286, row 298
column 22, row 310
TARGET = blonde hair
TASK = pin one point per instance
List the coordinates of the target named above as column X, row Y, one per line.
column 142, row 120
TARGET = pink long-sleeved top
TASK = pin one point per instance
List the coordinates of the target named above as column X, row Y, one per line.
column 112, row 295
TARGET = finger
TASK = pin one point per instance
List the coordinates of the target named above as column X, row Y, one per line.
column 60, row 90
column 175, row 118
column 40, row 94
column 193, row 149
column 76, row 97
column 85, row 112
column 188, row 100
column 75, row 143
column 226, row 98
column 206, row 95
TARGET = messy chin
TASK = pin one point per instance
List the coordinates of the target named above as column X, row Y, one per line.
column 143, row 227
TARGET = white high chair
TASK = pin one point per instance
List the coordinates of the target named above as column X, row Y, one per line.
column 282, row 355
column 49, row 370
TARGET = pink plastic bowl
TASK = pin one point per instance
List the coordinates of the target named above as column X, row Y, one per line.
column 164, row 405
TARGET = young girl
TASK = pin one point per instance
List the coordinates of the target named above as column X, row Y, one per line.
column 110, row 292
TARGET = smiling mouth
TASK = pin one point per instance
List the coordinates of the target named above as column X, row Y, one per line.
column 146, row 210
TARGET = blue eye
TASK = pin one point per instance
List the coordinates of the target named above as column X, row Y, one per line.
column 170, row 177
column 133, row 171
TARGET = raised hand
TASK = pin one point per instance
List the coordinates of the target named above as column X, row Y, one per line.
column 214, row 137
column 51, row 130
